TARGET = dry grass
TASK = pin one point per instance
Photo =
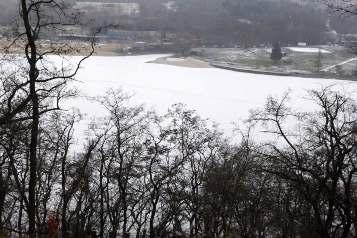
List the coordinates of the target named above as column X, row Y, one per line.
column 10, row 46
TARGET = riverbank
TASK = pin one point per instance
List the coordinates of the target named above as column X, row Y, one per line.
column 334, row 62
column 319, row 75
column 322, row 61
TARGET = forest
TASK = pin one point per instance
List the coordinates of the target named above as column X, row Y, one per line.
column 229, row 22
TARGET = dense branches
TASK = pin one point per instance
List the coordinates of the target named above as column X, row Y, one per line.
column 149, row 175
column 31, row 88
column 153, row 175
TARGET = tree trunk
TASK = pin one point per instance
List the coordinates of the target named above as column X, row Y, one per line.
column 152, row 218
column 2, row 197
column 102, row 191
column 31, row 54
column 19, row 219
column 65, row 199
column 33, row 161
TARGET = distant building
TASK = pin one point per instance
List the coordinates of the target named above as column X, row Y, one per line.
column 349, row 37
column 244, row 21
column 332, row 36
column 119, row 9
column 302, row 44
column 122, row 35
column 4, row 31
column 352, row 45
column 350, row 41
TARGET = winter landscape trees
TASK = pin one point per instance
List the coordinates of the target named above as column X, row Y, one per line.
column 144, row 174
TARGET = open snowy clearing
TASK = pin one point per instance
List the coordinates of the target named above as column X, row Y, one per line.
column 224, row 96
column 308, row 50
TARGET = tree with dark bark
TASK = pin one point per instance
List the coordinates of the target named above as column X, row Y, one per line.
column 276, row 54
column 319, row 162
column 39, row 89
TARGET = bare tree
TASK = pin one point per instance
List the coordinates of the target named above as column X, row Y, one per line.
column 38, row 86
column 318, row 161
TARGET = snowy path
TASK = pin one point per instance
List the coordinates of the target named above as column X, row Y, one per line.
column 339, row 64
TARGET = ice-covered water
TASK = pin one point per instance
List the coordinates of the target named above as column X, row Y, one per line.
column 221, row 95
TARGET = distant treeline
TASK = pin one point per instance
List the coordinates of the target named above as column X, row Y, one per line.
column 245, row 23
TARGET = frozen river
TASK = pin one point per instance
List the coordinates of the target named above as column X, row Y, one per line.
column 221, row 95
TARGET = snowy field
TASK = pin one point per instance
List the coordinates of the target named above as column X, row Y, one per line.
column 308, row 50
column 223, row 96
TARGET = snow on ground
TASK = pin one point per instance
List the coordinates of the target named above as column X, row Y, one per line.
column 221, row 95
column 339, row 64
column 308, row 50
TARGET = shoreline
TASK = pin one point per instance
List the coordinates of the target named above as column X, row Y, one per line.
column 283, row 74
column 169, row 58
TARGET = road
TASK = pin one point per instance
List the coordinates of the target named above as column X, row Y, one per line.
column 339, row 64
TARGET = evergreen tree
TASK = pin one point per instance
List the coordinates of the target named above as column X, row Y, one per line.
column 318, row 63
column 276, row 53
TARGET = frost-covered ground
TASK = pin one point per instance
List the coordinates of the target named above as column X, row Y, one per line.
column 223, row 96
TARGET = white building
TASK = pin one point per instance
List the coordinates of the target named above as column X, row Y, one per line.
column 119, row 9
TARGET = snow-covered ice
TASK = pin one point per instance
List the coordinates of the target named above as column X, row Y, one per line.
column 221, row 95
